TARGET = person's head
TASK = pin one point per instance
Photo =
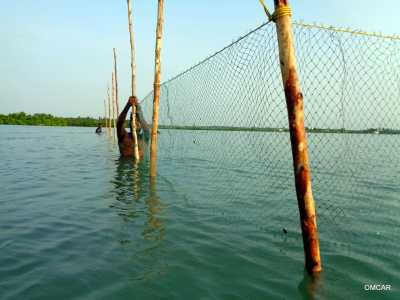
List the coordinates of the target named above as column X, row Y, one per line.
column 133, row 100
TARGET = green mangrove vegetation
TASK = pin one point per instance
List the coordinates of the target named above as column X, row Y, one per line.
column 273, row 129
column 22, row 118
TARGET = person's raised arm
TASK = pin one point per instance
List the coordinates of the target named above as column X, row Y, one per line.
column 121, row 118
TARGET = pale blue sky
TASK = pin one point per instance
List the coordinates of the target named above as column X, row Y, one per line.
column 56, row 56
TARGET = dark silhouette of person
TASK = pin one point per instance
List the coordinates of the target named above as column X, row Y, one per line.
column 98, row 129
column 125, row 139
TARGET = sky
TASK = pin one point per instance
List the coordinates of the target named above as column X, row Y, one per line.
column 56, row 56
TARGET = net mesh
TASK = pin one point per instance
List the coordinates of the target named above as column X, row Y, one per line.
column 226, row 119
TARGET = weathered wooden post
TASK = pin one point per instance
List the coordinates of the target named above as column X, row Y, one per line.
column 298, row 137
column 133, row 83
column 116, row 83
column 105, row 114
column 109, row 110
column 156, row 88
column 113, row 106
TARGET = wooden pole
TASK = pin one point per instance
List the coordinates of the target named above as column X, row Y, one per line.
column 156, row 88
column 133, row 82
column 105, row 114
column 116, row 83
column 298, row 137
column 109, row 110
column 113, row 106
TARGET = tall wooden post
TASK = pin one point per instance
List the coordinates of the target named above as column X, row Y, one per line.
column 113, row 100
column 105, row 114
column 156, row 89
column 116, row 83
column 133, row 82
column 109, row 110
column 298, row 137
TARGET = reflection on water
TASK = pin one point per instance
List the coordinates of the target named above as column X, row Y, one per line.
column 311, row 286
column 133, row 186
column 140, row 207
column 128, row 183
column 154, row 228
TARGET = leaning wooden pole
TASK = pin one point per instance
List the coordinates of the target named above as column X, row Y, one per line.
column 298, row 137
column 156, row 89
column 113, row 101
column 116, row 83
column 133, row 83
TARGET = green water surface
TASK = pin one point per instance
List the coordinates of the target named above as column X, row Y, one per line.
column 77, row 222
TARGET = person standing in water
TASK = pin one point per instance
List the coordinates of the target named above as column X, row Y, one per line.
column 125, row 139
column 98, row 129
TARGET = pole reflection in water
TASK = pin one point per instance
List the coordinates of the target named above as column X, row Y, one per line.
column 311, row 286
column 140, row 207
column 154, row 228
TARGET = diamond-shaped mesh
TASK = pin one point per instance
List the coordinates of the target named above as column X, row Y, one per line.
column 226, row 119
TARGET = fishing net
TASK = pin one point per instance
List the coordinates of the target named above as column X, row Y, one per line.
column 225, row 120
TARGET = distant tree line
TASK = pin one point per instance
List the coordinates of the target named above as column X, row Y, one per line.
column 22, row 118
column 273, row 129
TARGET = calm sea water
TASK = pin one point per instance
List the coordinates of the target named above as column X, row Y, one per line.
column 77, row 222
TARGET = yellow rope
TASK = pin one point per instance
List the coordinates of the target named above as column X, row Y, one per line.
column 279, row 12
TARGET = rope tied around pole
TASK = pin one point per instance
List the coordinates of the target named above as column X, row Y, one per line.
column 278, row 13
column 281, row 12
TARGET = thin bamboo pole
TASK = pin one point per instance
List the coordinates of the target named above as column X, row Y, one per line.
column 113, row 107
column 109, row 110
column 116, row 83
column 298, row 137
column 133, row 82
column 105, row 114
column 156, row 88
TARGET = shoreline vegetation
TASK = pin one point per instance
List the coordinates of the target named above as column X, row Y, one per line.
column 273, row 129
column 22, row 118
